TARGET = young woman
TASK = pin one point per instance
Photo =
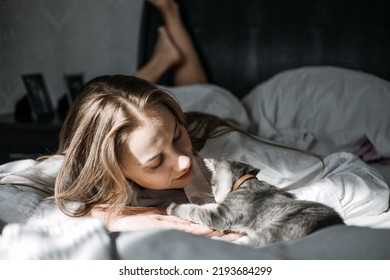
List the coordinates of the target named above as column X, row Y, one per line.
column 123, row 137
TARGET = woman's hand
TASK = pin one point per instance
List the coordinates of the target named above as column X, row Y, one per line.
column 148, row 221
column 133, row 218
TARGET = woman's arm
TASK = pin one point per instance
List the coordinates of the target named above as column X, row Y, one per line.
column 139, row 218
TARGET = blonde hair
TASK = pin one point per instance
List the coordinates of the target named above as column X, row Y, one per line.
column 93, row 139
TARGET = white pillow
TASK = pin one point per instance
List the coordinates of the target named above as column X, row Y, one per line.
column 211, row 99
column 323, row 109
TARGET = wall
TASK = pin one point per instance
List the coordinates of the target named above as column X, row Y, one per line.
column 57, row 37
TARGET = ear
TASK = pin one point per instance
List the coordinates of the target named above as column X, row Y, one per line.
column 251, row 169
column 255, row 171
column 210, row 164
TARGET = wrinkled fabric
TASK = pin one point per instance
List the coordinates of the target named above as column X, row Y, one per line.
column 342, row 181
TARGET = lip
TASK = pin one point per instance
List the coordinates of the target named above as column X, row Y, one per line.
column 185, row 175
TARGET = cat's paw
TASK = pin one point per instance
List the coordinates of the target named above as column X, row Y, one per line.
column 171, row 208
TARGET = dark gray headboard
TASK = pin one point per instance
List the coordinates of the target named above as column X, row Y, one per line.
column 246, row 42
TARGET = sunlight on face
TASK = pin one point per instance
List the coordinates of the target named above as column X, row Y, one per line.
column 160, row 152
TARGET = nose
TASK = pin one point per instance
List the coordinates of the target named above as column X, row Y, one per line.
column 183, row 163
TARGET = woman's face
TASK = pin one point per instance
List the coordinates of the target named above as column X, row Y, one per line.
column 160, row 152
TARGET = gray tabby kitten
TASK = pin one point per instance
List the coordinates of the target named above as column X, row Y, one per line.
column 261, row 211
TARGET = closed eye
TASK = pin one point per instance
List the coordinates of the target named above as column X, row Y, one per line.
column 158, row 164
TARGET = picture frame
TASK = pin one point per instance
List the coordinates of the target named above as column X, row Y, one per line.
column 74, row 84
column 38, row 96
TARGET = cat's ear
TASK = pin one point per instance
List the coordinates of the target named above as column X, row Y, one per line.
column 249, row 169
column 254, row 171
column 210, row 164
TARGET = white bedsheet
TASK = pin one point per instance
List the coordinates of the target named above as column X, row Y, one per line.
column 79, row 238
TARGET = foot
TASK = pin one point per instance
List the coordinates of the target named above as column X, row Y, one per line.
column 165, row 50
column 165, row 56
column 167, row 8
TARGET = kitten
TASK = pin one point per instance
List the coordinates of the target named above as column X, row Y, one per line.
column 262, row 212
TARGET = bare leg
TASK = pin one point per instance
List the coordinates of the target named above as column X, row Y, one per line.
column 189, row 70
column 165, row 56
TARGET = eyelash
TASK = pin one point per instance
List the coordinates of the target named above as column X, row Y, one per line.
column 158, row 165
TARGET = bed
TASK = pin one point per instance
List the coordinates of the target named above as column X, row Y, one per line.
column 319, row 71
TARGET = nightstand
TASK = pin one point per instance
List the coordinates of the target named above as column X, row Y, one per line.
column 27, row 139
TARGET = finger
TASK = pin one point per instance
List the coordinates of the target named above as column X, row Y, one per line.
column 231, row 236
column 173, row 219
column 199, row 229
column 191, row 227
column 175, row 222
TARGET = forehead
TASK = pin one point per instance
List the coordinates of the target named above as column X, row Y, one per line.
column 156, row 130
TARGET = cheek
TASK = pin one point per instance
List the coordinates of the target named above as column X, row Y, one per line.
column 155, row 181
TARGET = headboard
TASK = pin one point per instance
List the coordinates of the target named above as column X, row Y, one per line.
column 243, row 43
